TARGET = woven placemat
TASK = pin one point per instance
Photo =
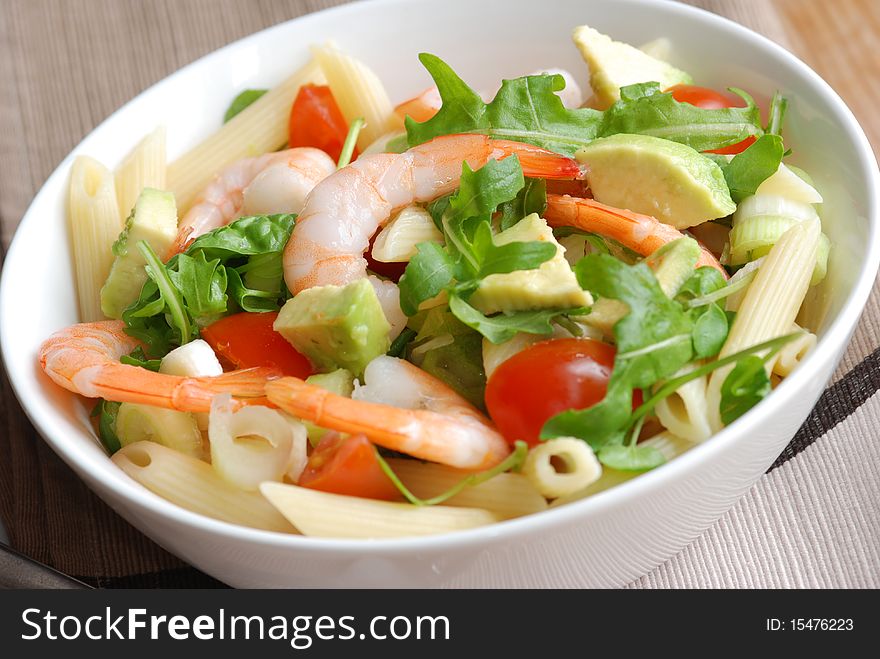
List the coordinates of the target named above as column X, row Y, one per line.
column 812, row 521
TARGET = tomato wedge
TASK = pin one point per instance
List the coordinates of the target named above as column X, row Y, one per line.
column 316, row 120
column 347, row 465
column 547, row 378
column 709, row 99
column 245, row 340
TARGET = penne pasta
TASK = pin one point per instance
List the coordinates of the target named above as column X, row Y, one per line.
column 505, row 495
column 358, row 92
column 95, row 223
column 793, row 352
column 194, row 485
column 258, row 129
column 144, row 167
column 337, row 516
column 771, row 302
column 685, row 411
column 669, row 445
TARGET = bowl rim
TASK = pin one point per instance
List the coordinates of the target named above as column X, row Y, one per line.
column 834, row 339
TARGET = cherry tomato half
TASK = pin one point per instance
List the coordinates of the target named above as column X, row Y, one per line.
column 347, row 465
column 547, row 378
column 709, row 99
column 245, row 340
column 316, row 120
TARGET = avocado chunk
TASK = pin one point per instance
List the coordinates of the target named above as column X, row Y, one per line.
column 614, row 64
column 336, row 326
column 552, row 285
column 339, row 382
column 154, row 219
column 653, row 176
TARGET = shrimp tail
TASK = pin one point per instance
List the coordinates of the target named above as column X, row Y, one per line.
column 539, row 163
column 641, row 233
column 465, row 443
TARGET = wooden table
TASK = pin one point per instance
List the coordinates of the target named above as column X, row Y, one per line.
column 66, row 64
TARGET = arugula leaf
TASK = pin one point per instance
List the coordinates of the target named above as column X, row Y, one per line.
column 481, row 191
column 654, row 340
column 241, row 101
column 500, row 259
column 778, row 106
column 106, row 411
column 430, row 271
column 743, row 388
column 644, row 109
column 137, row 357
column 704, row 281
column 202, row 283
column 250, row 299
column 753, row 166
column 502, row 327
column 531, row 199
column 170, row 295
column 235, row 267
column 255, row 234
column 710, row 331
column 630, row 457
column 525, row 109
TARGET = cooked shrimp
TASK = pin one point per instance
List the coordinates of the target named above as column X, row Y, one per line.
column 84, row 359
column 271, row 183
column 426, row 104
column 641, row 233
column 401, row 408
column 344, row 211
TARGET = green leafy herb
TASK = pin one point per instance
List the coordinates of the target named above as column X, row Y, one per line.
column 722, row 291
column 710, row 331
column 778, row 106
column 527, row 109
column 233, row 268
column 241, row 101
column 644, row 109
column 654, row 340
column 743, row 388
column 531, row 199
column 430, row 271
column 137, row 357
column 630, row 457
column 172, row 299
column 512, row 462
column 106, row 411
column 753, row 166
column 502, row 327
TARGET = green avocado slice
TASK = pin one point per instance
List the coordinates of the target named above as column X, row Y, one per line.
column 657, row 177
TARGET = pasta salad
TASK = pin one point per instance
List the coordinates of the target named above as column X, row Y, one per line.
column 344, row 318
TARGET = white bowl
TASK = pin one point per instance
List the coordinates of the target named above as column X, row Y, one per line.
column 606, row 540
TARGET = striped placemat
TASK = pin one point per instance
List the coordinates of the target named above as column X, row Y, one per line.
column 812, row 521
